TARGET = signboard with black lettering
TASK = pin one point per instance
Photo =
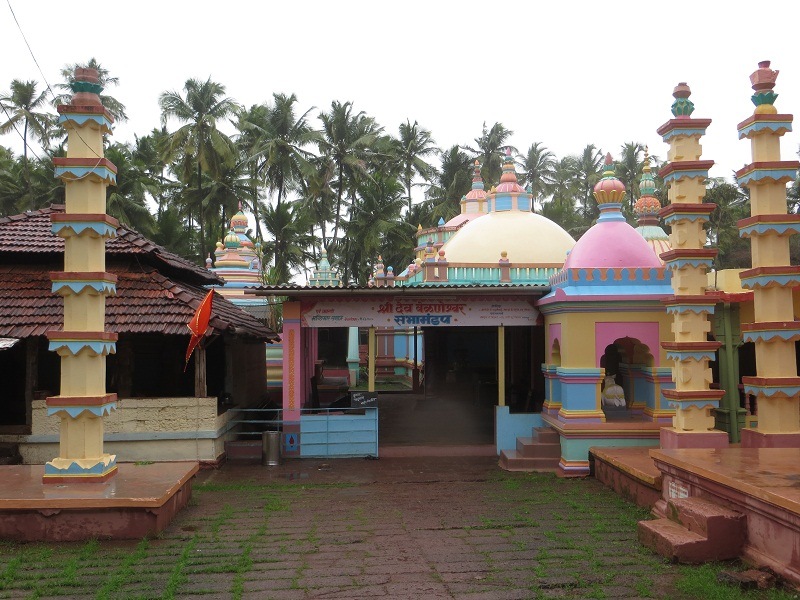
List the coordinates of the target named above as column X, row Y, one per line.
column 363, row 399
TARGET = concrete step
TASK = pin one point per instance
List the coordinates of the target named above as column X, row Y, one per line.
column 673, row 541
column 696, row 531
column 530, row 448
column 710, row 520
column 546, row 435
column 511, row 460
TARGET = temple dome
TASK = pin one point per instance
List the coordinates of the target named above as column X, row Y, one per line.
column 611, row 242
column 528, row 239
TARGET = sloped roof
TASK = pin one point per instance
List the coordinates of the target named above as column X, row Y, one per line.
column 146, row 302
column 29, row 234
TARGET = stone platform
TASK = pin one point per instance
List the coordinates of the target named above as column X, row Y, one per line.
column 761, row 483
column 629, row 471
column 139, row 501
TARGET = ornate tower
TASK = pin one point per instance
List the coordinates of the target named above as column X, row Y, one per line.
column 775, row 331
column 83, row 344
column 689, row 262
column 646, row 209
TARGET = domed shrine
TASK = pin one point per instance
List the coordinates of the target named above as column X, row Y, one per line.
column 238, row 261
column 603, row 322
column 505, row 244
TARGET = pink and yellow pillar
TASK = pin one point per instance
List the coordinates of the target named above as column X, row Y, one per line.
column 689, row 261
column 83, row 344
column 774, row 330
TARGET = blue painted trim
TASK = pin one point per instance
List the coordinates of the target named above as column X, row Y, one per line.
column 83, row 118
column 682, row 355
column 677, row 175
column 75, row 470
column 76, row 287
column 679, row 263
column 691, row 217
column 762, row 228
column 75, row 411
column 774, row 126
column 761, row 281
column 767, row 335
column 502, row 203
column 687, row 131
column 697, row 309
column 691, row 403
column 757, row 175
column 770, row 391
column 101, row 228
column 100, row 171
column 101, row 348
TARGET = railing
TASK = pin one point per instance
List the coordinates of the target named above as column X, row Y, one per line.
column 324, row 432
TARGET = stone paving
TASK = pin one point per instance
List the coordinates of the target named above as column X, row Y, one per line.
column 447, row 527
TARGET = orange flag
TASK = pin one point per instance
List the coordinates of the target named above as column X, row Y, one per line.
column 198, row 325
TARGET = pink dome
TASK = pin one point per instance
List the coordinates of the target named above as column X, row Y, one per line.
column 611, row 244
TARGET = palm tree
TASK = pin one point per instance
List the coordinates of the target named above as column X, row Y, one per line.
column 376, row 228
column 538, row 165
column 588, row 170
column 629, row 171
column 288, row 249
column 21, row 107
column 733, row 203
column 317, row 198
column 148, row 155
column 111, row 104
column 278, row 144
column 452, row 181
column 346, row 140
column 490, row 151
column 127, row 200
column 202, row 147
column 561, row 207
column 411, row 147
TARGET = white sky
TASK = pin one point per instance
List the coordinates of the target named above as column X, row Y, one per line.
column 563, row 73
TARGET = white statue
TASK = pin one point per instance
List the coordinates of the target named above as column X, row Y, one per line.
column 613, row 394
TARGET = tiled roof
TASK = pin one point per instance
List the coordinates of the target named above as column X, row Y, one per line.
column 29, row 233
column 146, row 302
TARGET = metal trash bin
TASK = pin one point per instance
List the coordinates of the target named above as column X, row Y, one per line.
column 271, row 448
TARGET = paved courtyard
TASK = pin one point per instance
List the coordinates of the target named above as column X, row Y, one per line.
column 447, row 527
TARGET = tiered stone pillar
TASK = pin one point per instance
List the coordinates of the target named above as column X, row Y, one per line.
column 689, row 262
column 774, row 330
column 83, row 344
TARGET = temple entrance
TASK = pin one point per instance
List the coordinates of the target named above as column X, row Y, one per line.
column 624, row 389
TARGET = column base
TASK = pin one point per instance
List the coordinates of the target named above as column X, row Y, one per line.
column 752, row 438
column 67, row 470
column 672, row 438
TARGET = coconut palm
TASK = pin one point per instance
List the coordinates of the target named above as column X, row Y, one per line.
column 374, row 228
column 628, row 170
column 111, row 104
column 288, row 240
column 22, row 108
column 346, row 140
column 538, row 165
column 317, row 198
column 279, row 150
column 732, row 204
column 127, row 200
column 588, row 167
column 490, row 151
column 411, row 147
column 198, row 145
column 452, row 181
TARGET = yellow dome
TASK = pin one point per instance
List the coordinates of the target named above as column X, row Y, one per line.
column 528, row 238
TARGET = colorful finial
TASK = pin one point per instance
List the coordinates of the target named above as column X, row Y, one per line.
column 509, row 172
column 682, row 107
column 647, row 183
column 763, row 80
column 609, row 190
column 86, row 87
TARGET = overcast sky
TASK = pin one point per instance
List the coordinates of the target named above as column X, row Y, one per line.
column 562, row 73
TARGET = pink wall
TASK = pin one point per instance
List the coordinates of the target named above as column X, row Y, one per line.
column 606, row 334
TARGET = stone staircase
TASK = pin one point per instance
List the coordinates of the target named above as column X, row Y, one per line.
column 540, row 452
column 695, row 531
